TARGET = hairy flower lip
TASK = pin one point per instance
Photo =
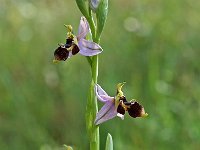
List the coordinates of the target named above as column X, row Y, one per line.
column 136, row 110
column 61, row 53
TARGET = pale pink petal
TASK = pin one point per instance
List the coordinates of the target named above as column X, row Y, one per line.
column 107, row 112
column 83, row 28
column 89, row 48
column 102, row 95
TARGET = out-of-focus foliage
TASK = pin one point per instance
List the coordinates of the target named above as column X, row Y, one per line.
column 152, row 45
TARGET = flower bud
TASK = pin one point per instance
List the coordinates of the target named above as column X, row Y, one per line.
column 94, row 4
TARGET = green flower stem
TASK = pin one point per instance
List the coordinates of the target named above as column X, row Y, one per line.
column 92, row 107
column 94, row 130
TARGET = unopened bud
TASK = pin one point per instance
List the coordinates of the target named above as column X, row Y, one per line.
column 94, row 4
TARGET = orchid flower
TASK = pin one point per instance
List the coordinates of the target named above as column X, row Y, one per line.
column 77, row 44
column 116, row 106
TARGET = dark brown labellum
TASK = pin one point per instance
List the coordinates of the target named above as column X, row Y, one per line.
column 75, row 49
column 61, row 53
column 121, row 110
column 135, row 110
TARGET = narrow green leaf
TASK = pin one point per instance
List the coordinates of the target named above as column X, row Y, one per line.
column 109, row 142
column 101, row 15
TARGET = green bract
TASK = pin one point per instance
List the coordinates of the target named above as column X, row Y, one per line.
column 101, row 15
column 82, row 7
column 109, row 142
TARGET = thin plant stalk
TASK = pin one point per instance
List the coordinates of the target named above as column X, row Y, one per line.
column 92, row 107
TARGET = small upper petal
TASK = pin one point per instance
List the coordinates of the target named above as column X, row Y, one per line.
column 102, row 95
column 107, row 112
column 89, row 48
column 83, row 28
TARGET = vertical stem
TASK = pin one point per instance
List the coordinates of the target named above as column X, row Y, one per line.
column 92, row 107
column 94, row 141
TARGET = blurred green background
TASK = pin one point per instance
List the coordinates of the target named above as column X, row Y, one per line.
column 152, row 45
